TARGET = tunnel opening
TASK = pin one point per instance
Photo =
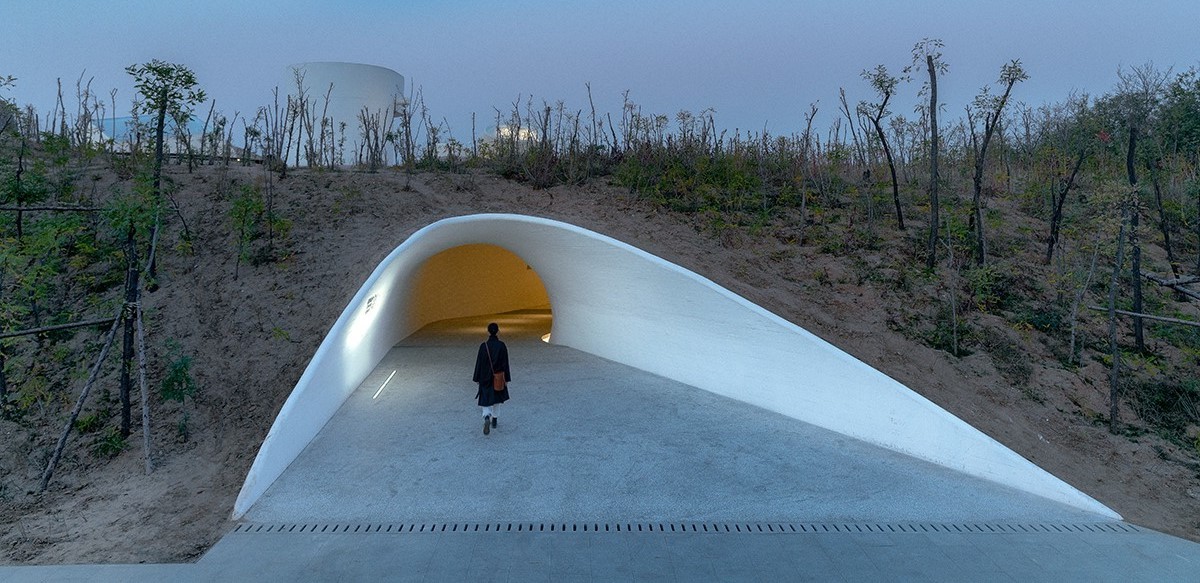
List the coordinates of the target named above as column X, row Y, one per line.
column 452, row 289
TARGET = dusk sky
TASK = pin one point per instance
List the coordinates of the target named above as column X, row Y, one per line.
column 758, row 63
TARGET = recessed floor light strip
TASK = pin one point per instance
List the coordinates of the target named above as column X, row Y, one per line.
column 385, row 383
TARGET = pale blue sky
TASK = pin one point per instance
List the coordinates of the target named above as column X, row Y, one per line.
column 758, row 63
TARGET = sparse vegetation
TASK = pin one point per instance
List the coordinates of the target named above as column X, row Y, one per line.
column 178, row 385
column 110, row 444
column 1057, row 189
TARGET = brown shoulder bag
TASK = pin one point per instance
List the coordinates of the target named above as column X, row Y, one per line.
column 497, row 377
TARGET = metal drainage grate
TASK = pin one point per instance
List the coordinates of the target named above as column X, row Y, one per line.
column 690, row 527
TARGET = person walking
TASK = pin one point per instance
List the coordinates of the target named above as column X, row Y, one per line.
column 491, row 365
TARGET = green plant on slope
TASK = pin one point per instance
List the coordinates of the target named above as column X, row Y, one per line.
column 178, row 384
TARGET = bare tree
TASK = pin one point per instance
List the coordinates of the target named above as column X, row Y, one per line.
column 183, row 141
column 1138, row 94
column 227, row 144
column 88, row 108
column 858, row 148
column 992, row 108
column 273, row 121
column 406, row 140
column 373, row 128
column 885, row 86
column 1077, row 133
column 929, row 53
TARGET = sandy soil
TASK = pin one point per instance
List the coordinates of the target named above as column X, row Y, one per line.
column 250, row 337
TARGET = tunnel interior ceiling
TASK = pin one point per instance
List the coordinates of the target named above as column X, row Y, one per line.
column 472, row 280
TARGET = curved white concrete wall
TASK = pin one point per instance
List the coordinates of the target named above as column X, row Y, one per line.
column 623, row 304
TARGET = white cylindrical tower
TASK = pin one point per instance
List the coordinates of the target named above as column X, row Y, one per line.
column 347, row 93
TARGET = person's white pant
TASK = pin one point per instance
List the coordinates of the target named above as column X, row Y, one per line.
column 491, row 411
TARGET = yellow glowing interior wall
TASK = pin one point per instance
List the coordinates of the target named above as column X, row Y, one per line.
column 472, row 280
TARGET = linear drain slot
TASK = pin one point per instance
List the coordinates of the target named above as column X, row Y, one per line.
column 686, row 527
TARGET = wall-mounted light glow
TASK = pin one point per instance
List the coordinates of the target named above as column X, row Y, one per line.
column 361, row 322
column 385, row 383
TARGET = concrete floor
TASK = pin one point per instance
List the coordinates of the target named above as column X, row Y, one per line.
column 600, row 472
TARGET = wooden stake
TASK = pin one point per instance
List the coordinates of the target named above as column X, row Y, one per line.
column 1176, row 284
column 1148, row 316
column 141, row 349
column 1177, row 281
column 1114, row 374
column 62, row 441
column 58, row 327
column 21, row 209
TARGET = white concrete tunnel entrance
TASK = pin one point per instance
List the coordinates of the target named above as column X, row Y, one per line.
column 475, row 280
column 615, row 301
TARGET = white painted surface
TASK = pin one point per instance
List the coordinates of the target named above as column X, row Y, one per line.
column 355, row 86
column 623, row 304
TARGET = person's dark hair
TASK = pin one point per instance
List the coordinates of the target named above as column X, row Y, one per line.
column 493, row 329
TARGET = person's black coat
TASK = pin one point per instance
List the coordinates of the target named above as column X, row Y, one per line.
column 487, row 395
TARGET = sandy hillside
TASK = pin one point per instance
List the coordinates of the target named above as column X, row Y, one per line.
column 251, row 336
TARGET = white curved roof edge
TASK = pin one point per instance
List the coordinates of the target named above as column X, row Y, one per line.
column 357, row 76
column 623, row 304
column 343, row 64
